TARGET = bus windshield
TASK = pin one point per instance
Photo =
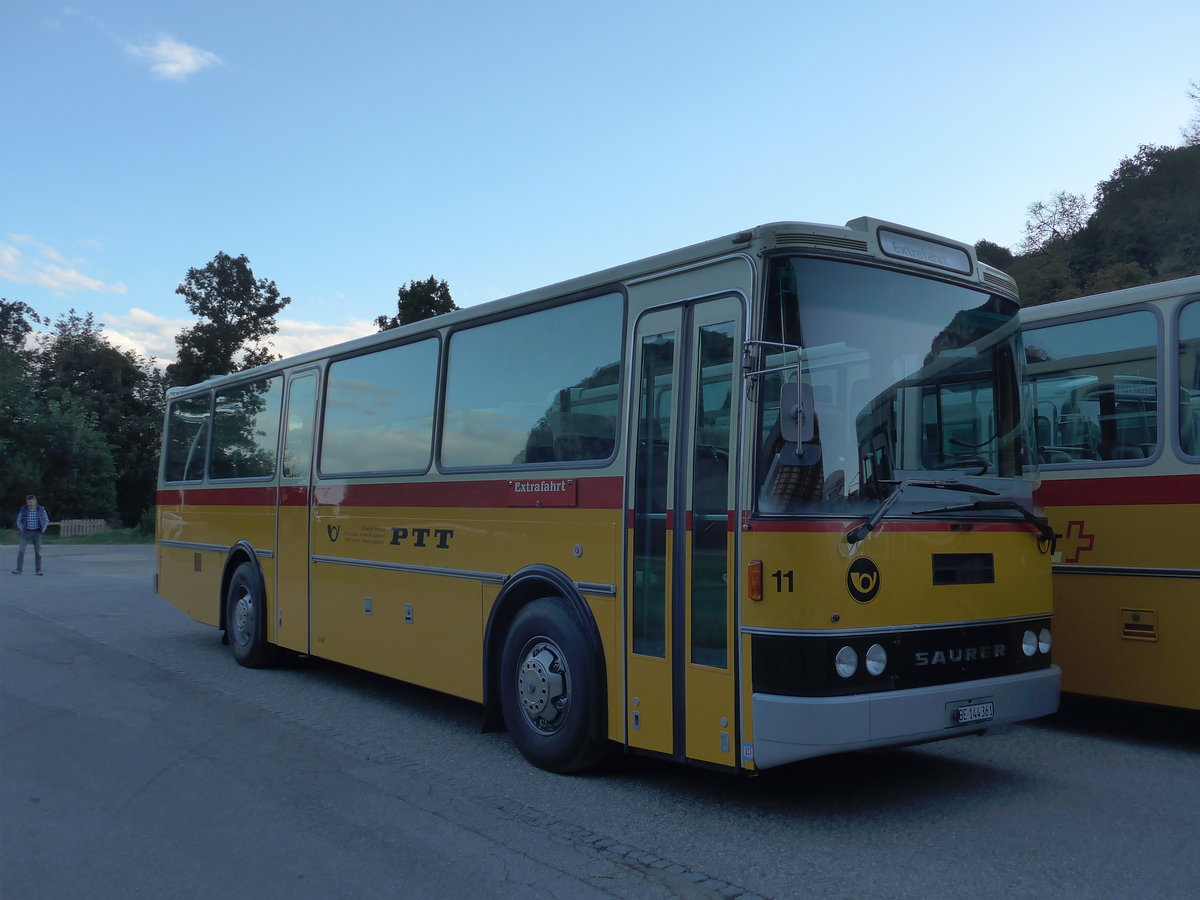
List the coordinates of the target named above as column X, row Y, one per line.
column 894, row 377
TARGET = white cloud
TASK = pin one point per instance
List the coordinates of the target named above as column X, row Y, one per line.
column 295, row 338
column 68, row 281
column 167, row 57
column 171, row 59
column 47, row 268
column 145, row 333
column 10, row 262
column 151, row 335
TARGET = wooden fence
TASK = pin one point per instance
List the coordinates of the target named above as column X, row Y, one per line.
column 81, row 527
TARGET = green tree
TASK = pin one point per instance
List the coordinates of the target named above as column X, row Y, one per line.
column 1044, row 276
column 82, row 376
column 20, row 451
column 1062, row 218
column 1130, row 173
column 78, row 477
column 17, row 321
column 1116, row 277
column 1144, row 226
column 993, row 254
column 1146, row 214
column 1191, row 131
column 237, row 315
column 418, row 300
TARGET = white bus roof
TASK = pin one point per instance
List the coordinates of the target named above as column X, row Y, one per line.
column 859, row 235
column 1160, row 290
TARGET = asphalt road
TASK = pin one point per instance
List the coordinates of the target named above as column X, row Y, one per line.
column 138, row 760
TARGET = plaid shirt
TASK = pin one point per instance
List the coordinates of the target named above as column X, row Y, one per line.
column 26, row 519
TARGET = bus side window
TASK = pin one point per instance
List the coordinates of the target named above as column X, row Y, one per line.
column 194, row 467
column 503, row 408
column 187, row 439
column 1189, row 422
column 1050, row 453
column 245, row 427
column 1078, row 434
column 1189, row 378
column 578, row 436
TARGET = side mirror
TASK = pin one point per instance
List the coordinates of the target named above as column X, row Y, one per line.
column 796, row 417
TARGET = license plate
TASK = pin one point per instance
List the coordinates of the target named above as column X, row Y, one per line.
column 974, row 712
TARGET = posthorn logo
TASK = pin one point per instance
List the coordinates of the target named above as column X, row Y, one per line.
column 862, row 580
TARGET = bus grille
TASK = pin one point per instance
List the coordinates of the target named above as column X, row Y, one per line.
column 802, row 665
column 1002, row 283
column 824, row 240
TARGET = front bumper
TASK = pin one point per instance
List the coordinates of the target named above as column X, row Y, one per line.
column 787, row 729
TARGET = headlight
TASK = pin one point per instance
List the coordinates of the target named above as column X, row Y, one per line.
column 846, row 662
column 876, row 659
column 1044, row 640
column 1029, row 643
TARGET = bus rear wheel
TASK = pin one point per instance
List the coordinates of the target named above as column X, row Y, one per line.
column 549, row 690
column 245, row 623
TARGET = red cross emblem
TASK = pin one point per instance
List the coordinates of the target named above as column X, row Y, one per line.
column 1075, row 539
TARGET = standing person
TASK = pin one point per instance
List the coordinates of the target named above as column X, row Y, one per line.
column 32, row 522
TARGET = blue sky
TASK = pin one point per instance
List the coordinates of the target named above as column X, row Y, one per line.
column 349, row 148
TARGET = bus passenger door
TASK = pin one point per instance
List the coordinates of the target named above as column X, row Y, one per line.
column 291, row 612
column 681, row 499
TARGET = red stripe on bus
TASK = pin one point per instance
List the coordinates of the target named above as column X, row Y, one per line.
column 592, row 493
column 217, row 496
column 293, row 496
column 1148, row 490
column 825, row 526
column 818, row 526
column 631, row 519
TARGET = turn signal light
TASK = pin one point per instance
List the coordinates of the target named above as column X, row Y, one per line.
column 754, row 579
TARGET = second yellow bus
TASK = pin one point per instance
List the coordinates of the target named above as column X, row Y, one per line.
column 1117, row 382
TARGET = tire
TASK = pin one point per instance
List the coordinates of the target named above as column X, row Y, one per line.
column 245, row 619
column 550, row 689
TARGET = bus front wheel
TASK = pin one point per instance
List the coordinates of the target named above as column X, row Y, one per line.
column 549, row 691
column 244, row 619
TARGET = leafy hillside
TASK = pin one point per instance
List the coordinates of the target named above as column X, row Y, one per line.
column 1143, row 226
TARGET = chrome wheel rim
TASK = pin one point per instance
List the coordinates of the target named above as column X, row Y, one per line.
column 543, row 685
column 242, row 624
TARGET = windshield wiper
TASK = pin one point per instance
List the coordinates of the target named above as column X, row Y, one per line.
column 1041, row 523
column 859, row 532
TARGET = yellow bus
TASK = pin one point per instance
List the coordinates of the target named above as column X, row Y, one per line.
column 755, row 500
column 1117, row 382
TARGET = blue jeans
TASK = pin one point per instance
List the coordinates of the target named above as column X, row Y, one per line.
column 26, row 536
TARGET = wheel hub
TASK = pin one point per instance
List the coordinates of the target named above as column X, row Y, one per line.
column 542, row 687
column 243, row 616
